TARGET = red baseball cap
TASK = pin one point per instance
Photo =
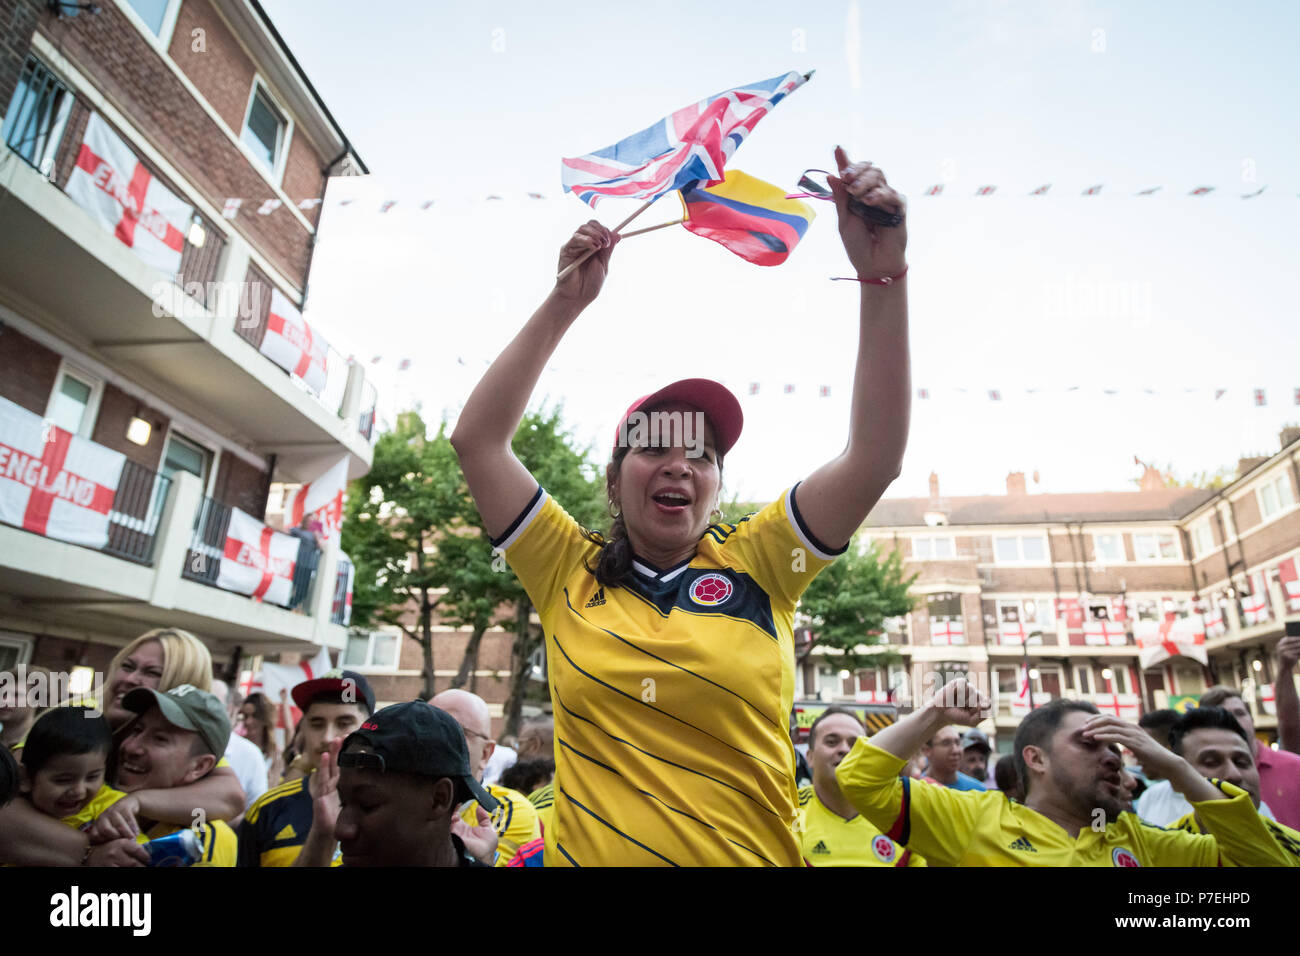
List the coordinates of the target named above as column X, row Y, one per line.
column 710, row 397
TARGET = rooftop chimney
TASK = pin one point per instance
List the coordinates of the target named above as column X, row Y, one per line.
column 1290, row 435
column 1016, row 483
column 934, row 486
column 1152, row 479
column 1246, row 464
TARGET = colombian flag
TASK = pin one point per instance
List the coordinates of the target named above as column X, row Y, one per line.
column 749, row 217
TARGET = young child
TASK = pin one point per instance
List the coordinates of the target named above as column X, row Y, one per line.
column 64, row 761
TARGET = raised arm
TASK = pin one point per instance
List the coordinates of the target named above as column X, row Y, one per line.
column 835, row 498
column 500, row 484
column 1288, row 707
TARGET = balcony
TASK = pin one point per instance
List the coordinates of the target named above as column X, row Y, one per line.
column 175, row 334
column 91, row 541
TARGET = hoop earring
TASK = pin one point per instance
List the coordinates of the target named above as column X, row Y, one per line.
column 614, row 511
column 716, row 514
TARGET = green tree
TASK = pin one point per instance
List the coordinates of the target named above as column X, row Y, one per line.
column 412, row 497
column 848, row 603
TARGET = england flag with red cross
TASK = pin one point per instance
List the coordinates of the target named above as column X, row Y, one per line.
column 1290, row 580
column 257, row 560
column 1255, row 604
column 947, row 632
column 321, row 500
column 124, row 197
column 1158, row 641
column 54, row 483
column 292, row 344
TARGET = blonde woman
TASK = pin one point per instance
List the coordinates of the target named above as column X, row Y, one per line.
column 160, row 659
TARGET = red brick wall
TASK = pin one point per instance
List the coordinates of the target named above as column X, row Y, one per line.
column 302, row 173
column 116, row 409
column 27, row 369
column 63, row 654
column 127, row 69
column 17, row 23
column 241, row 485
column 222, row 71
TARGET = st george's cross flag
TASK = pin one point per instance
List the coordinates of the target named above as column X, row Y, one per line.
column 321, row 499
column 54, row 483
column 1158, row 641
column 1289, row 577
column 293, row 345
column 690, row 145
column 122, row 195
column 747, row 216
column 257, row 560
column 274, row 678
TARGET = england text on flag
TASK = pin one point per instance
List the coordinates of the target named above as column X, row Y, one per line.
column 321, row 498
column 292, row 344
column 54, row 483
column 257, row 560
column 122, row 195
column 690, row 145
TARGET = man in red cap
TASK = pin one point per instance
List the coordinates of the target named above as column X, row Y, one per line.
column 670, row 643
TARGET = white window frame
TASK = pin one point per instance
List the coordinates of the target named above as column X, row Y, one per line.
column 1103, row 559
column 92, row 403
column 210, row 482
column 931, row 539
column 1021, row 560
column 1044, row 668
column 1001, row 669
column 1229, row 525
column 23, row 642
column 1083, row 671
column 1158, row 559
column 162, row 40
column 1202, row 535
column 1281, row 486
column 371, row 668
column 276, row 172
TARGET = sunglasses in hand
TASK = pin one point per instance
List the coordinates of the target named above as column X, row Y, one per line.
column 816, row 185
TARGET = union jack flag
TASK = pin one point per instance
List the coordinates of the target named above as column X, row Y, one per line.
column 688, row 146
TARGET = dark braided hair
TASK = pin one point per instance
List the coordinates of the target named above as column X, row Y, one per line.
column 614, row 562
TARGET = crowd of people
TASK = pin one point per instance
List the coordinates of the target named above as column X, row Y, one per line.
column 669, row 641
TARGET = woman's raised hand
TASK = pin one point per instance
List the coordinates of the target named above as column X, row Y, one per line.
column 582, row 285
column 875, row 251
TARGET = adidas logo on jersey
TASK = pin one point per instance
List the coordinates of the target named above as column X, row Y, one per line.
column 821, row 847
column 286, row 834
column 597, row 599
column 1023, row 844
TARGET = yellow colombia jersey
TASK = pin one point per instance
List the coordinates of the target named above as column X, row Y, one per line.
column 543, row 801
column 830, row 840
column 515, row 821
column 104, row 798
column 276, row 826
column 218, row 842
column 672, row 692
column 1287, row 839
column 973, row 828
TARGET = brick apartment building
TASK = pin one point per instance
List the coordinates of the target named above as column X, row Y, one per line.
column 138, row 356
column 1067, row 581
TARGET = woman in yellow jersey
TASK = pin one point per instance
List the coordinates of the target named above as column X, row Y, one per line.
column 160, row 659
column 669, row 641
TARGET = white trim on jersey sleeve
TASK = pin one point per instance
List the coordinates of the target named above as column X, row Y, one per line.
column 521, row 523
column 792, row 515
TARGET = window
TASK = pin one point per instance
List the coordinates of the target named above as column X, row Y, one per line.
column 1156, row 546
column 37, row 114
column 74, row 402
column 1202, row 538
column 152, row 12
column 1083, row 680
column 1229, row 529
column 1108, row 548
column 378, row 650
column 1008, row 680
column 1021, row 549
column 1274, row 496
column 185, row 455
column 264, row 128
column 926, row 549
column 944, row 605
column 15, row 649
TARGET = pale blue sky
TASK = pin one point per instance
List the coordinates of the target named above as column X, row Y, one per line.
column 1009, row 292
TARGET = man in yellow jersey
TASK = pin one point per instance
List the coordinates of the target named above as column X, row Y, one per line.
column 515, row 819
column 1212, row 741
column 832, row 832
column 1075, row 811
column 276, row 825
column 177, row 739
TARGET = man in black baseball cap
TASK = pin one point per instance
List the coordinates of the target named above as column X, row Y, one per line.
column 390, row 793
column 975, row 752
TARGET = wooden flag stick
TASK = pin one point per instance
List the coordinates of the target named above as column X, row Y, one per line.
column 590, row 252
column 662, row 225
